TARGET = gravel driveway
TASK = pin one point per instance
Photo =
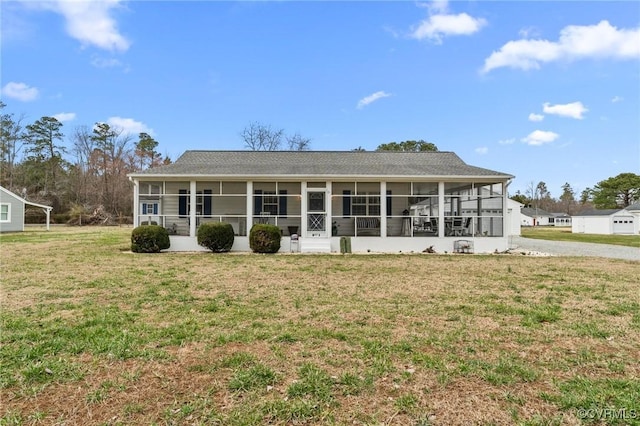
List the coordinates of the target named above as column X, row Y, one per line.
column 566, row 248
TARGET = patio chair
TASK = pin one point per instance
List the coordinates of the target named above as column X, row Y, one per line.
column 434, row 224
column 457, row 227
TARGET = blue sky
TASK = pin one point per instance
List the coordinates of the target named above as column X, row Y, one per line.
column 546, row 91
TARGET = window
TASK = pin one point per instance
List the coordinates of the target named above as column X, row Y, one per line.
column 203, row 203
column 365, row 204
column 272, row 202
column 150, row 208
column 5, row 212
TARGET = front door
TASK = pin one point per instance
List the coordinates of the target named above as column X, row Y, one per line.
column 316, row 213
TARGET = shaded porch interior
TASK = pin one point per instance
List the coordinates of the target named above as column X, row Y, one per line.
column 328, row 208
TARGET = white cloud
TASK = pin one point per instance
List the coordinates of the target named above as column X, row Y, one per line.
column 529, row 32
column 438, row 6
column 438, row 26
column 572, row 110
column 90, row 22
column 536, row 117
column 617, row 99
column 507, row 141
column 129, row 125
column 65, row 116
column 105, row 62
column 482, row 150
column 540, row 137
column 20, row 91
column 372, row 98
column 575, row 42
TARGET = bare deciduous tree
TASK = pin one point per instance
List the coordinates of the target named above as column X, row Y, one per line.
column 297, row 142
column 261, row 137
column 11, row 140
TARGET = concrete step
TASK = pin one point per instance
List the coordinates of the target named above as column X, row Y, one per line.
column 315, row 245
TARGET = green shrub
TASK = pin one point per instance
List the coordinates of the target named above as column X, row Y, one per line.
column 149, row 239
column 216, row 236
column 264, row 238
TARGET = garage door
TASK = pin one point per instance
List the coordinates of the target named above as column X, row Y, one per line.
column 623, row 224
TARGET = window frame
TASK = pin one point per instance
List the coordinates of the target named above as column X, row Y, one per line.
column 8, row 213
column 366, row 201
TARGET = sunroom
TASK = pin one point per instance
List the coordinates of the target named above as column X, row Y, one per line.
column 398, row 209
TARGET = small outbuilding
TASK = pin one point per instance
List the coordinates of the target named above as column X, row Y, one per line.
column 608, row 221
column 531, row 216
column 560, row 219
column 12, row 209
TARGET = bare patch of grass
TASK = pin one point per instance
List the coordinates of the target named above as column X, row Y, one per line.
column 92, row 334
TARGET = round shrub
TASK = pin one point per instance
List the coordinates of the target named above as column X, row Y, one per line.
column 149, row 239
column 216, row 236
column 264, row 238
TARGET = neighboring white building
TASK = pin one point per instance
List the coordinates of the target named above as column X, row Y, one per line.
column 530, row 216
column 608, row 221
column 560, row 219
column 382, row 201
column 12, row 208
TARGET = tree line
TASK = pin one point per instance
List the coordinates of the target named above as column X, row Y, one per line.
column 88, row 172
column 615, row 192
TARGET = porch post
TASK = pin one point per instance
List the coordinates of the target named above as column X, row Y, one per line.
column 47, row 211
column 249, row 203
column 303, row 209
column 383, row 209
column 506, row 227
column 329, row 207
column 441, row 226
column 192, row 210
column 136, row 202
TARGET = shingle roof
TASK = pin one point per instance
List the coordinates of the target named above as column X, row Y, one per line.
column 598, row 212
column 532, row 212
column 634, row 207
column 319, row 163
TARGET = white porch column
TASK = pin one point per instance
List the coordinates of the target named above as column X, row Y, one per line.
column 383, row 209
column 506, row 227
column 329, row 208
column 192, row 210
column 249, row 207
column 48, row 213
column 136, row 202
column 441, row 226
column 303, row 209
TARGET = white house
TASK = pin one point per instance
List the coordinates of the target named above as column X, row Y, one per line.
column 608, row 221
column 560, row 219
column 382, row 201
column 531, row 216
column 12, row 209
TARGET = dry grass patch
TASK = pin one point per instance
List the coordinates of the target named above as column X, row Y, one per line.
column 92, row 334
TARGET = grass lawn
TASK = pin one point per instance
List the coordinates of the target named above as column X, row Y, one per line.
column 93, row 334
column 565, row 234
